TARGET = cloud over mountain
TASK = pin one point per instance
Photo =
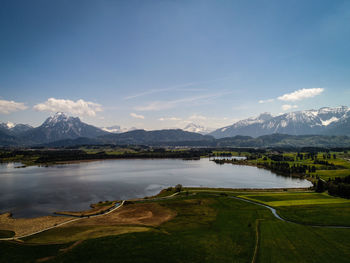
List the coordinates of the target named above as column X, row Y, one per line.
column 137, row 116
column 301, row 94
column 79, row 107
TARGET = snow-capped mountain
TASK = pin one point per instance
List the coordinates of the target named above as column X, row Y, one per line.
column 330, row 121
column 117, row 129
column 112, row 129
column 61, row 126
column 192, row 127
column 14, row 129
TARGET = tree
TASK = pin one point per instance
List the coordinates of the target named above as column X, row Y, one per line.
column 320, row 187
column 178, row 188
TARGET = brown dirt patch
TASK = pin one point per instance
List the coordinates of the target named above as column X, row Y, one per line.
column 132, row 214
column 24, row 226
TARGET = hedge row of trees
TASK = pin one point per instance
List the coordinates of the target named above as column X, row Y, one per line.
column 286, row 168
column 339, row 186
column 56, row 156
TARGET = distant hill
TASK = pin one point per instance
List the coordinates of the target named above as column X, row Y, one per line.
column 284, row 140
column 273, row 140
column 7, row 139
column 147, row 137
column 325, row 121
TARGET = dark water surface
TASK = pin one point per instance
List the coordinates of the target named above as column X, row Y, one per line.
column 36, row 191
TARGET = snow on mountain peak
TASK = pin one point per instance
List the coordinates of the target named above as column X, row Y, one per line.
column 295, row 123
column 10, row 125
column 58, row 117
column 7, row 125
column 327, row 122
column 265, row 116
column 193, row 127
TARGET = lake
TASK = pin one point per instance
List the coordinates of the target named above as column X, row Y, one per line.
column 36, row 191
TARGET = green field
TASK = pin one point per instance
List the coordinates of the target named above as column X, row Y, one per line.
column 294, row 199
column 327, row 214
column 71, row 234
column 208, row 227
column 307, row 208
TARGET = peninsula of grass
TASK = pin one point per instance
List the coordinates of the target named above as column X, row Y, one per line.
column 96, row 209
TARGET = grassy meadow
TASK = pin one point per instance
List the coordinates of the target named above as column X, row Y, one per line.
column 208, row 226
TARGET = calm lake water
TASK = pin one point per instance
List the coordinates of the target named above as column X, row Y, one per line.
column 36, row 191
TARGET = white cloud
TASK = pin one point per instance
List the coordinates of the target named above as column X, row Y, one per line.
column 152, row 91
column 170, row 119
column 163, row 105
column 8, row 106
column 79, row 107
column 288, row 107
column 266, row 101
column 137, row 116
column 301, row 94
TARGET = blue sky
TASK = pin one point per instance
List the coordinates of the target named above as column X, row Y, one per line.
column 163, row 64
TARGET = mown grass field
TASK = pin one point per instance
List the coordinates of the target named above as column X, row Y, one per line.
column 70, row 234
column 208, row 227
column 294, row 199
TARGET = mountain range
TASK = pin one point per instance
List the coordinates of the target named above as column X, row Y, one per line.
column 14, row 129
column 325, row 121
column 62, row 130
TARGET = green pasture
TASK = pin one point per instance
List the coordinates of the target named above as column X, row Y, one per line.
column 208, row 227
column 293, row 199
column 75, row 233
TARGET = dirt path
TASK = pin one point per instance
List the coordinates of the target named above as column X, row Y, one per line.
column 257, row 231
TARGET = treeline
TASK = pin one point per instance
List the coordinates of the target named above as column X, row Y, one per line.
column 339, row 186
column 52, row 156
column 288, row 169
